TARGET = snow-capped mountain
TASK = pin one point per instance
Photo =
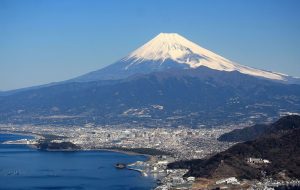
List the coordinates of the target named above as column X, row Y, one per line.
column 170, row 50
column 169, row 81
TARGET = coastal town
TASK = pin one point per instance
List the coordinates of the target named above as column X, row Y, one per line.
column 161, row 145
column 182, row 143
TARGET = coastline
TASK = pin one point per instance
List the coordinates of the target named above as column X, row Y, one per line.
column 98, row 172
column 124, row 152
column 148, row 157
column 110, row 149
column 35, row 136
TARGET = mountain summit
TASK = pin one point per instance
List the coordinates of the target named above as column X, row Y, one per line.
column 169, row 81
column 169, row 51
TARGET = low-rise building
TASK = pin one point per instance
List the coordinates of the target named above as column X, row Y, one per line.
column 230, row 180
column 190, row 179
column 258, row 161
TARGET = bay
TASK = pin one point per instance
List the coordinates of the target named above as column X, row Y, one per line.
column 22, row 168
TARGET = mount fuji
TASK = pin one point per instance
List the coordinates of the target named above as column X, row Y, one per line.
column 169, row 81
column 172, row 51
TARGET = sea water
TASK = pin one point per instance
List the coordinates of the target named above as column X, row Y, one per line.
column 22, row 167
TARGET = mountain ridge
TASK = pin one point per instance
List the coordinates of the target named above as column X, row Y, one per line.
column 191, row 96
column 255, row 131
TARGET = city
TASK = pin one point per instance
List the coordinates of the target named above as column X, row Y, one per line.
column 161, row 145
column 181, row 143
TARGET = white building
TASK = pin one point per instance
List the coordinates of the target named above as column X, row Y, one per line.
column 190, row 179
column 162, row 162
column 258, row 161
column 230, row 180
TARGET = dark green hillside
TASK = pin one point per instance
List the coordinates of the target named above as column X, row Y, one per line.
column 245, row 134
column 280, row 147
column 250, row 133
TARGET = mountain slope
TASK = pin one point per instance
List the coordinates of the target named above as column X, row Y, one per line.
column 245, row 134
column 281, row 148
column 169, row 51
column 169, row 81
column 253, row 132
column 173, row 97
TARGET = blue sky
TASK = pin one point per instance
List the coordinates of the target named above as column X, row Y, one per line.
column 46, row 41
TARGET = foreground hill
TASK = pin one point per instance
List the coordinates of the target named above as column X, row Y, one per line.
column 280, row 147
column 251, row 133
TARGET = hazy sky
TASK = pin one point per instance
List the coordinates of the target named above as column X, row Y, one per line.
column 54, row 40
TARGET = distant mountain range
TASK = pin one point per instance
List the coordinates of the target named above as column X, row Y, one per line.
column 280, row 146
column 169, row 81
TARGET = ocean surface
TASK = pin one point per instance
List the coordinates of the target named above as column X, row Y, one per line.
column 24, row 168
